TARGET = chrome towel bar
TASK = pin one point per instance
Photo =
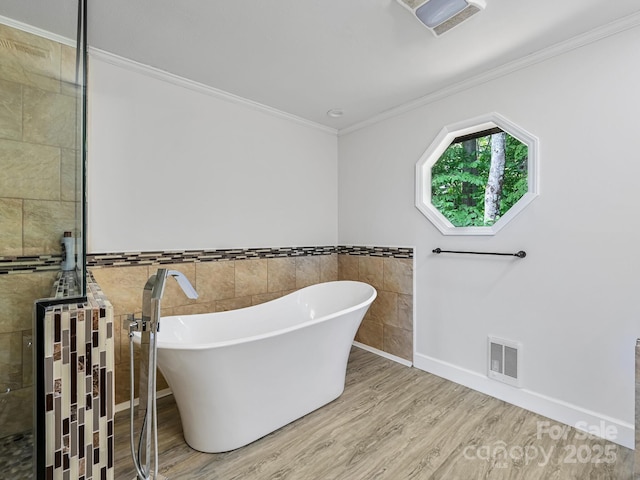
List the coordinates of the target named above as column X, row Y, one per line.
column 520, row 254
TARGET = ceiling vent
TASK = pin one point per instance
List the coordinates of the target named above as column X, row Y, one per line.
column 440, row 16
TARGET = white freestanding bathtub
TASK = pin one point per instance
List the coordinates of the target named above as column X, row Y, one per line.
column 239, row 375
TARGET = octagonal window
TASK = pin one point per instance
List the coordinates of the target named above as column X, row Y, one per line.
column 476, row 176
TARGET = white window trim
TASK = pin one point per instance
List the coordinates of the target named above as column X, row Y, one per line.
column 438, row 147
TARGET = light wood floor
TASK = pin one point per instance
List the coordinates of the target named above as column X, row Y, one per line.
column 393, row 423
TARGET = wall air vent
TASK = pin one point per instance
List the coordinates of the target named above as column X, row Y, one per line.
column 440, row 16
column 504, row 361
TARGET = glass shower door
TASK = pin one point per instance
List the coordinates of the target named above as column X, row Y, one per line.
column 41, row 185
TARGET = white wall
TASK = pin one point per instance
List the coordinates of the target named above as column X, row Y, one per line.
column 173, row 167
column 176, row 168
column 573, row 302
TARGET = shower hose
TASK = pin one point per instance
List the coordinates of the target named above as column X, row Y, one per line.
column 142, row 472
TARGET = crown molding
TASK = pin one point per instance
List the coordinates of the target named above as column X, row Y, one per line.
column 177, row 80
column 9, row 22
column 592, row 36
column 159, row 74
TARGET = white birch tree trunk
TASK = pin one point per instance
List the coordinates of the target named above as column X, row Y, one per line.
column 493, row 191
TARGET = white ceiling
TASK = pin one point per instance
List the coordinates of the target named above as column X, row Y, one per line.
column 305, row 57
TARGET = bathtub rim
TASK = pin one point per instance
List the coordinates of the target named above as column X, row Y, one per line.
column 254, row 338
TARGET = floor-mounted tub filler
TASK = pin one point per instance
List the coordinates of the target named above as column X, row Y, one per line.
column 145, row 331
column 238, row 375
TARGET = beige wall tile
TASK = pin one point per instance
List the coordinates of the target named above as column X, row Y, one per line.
column 329, row 268
column 161, row 382
column 173, row 295
column 233, row 303
column 10, row 110
column 123, row 342
column 29, row 59
column 125, row 350
column 398, row 275
column 49, row 118
column 384, row 309
column 10, row 361
column 215, row 281
column 393, row 308
column 122, row 377
column 29, row 171
column 16, row 414
column 10, row 226
column 70, row 185
column 18, row 293
column 371, row 271
column 68, row 84
column 348, row 267
column 123, row 286
column 122, row 370
column 44, row 224
column 194, row 309
column 27, row 358
column 405, row 312
column 281, row 274
column 33, row 115
column 251, row 277
column 307, row 271
column 370, row 334
column 117, row 337
column 264, row 297
column 387, row 326
column 398, row 342
column 121, row 381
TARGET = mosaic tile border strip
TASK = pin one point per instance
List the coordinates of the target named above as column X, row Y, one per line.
column 395, row 252
column 38, row 263
column 123, row 259
column 79, row 388
column 29, row 263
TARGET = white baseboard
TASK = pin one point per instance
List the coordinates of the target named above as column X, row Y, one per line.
column 120, row 407
column 402, row 361
column 612, row 429
column 551, row 408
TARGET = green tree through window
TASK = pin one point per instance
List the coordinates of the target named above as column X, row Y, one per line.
column 479, row 177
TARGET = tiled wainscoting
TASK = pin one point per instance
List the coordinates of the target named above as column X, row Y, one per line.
column 78, row 341
column 229, row 279
column 388, row 325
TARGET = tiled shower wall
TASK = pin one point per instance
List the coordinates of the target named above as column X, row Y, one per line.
column 229, row 279
column 38, row 188
column 37, row 199
column 17, row 294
